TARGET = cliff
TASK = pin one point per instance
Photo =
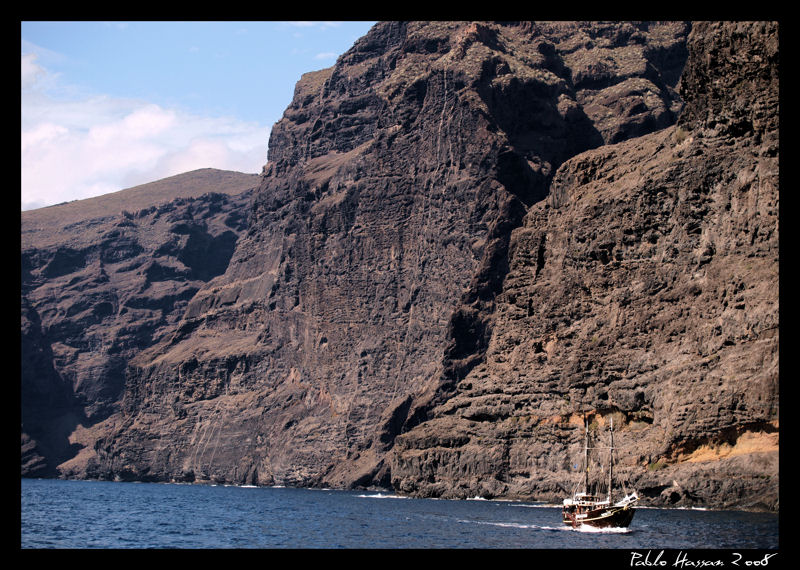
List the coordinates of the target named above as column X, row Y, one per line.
column 103, row 278
column 643, row 289
column 467, row 235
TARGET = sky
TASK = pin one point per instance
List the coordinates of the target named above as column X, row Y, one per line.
column 110, row 105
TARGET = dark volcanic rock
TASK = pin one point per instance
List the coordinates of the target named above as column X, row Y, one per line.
column 645, row 288
column 364, row 287
column 466, row 234
column 101, row 280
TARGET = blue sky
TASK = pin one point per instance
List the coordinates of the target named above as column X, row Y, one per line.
column 109, row 105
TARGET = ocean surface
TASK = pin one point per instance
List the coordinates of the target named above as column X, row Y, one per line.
column 108, row 515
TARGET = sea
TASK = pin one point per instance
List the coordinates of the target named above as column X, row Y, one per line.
column 65, row 514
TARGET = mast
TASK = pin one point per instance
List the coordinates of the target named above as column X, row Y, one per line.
column 611, row 461
column 585, row 455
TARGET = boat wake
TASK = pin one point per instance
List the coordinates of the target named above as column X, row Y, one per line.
column 584, row 528
column 605, row 530
column 501, row 524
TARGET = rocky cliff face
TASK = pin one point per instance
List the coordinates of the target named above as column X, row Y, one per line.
column 644, row 290
column 468, row 233
column 103, row 278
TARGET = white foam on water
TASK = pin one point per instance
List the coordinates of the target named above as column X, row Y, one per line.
column 583, row 528
column 381, row 496
column 606, row 530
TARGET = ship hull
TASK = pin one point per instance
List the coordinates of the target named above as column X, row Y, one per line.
column 604, row 517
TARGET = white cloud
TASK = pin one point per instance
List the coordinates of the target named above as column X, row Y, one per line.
column 326, row 55
column 79, row 148
column 31, row 72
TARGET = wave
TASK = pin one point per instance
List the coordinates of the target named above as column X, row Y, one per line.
column 381, row 496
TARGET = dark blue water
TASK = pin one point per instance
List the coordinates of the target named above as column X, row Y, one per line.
column 93, row 514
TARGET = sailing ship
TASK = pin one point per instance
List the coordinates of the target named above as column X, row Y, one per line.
column 588, row 508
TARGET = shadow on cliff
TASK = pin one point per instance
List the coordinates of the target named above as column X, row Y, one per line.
column 206, row 255
column 539, row 142
column 49, row 411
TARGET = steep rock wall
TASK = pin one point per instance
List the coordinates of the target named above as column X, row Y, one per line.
column 102, row 279
column 363, row 289
column 467, row 235
column 644, row 289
